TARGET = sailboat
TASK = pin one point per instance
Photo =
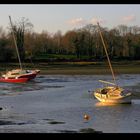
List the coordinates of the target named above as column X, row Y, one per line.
column 111, row 92
column 18, row 75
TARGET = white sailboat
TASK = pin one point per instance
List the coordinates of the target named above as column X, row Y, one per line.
column 112, row 93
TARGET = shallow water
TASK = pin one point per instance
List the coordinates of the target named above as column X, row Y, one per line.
column 58, row 103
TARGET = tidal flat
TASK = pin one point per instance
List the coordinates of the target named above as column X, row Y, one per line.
column 58, row 103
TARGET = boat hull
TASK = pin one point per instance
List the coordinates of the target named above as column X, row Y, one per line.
column 17, row 73
column 19, row 80
column 113, row 100
column 29, row 76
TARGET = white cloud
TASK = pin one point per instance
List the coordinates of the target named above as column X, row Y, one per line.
column 81, row 22
column 77, row 21
column 129, row 18
column 95, row 20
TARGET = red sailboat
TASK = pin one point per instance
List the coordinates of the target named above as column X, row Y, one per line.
column 14, row 80
column 18, row 75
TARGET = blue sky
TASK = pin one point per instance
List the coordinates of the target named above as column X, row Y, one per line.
column 64, row 17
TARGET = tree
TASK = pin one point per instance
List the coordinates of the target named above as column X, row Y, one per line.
column 58, row 43
column 6, row 52
column 67, row 42
column 91, row 38
column 19, row 30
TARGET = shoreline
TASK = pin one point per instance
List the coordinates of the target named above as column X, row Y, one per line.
column 79, row 68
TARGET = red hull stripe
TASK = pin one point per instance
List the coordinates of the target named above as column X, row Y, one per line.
column 20, row 80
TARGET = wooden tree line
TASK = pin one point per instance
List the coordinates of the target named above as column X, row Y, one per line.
column 122, row 42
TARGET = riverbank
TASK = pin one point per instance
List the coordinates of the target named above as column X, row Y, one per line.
column 78, row 68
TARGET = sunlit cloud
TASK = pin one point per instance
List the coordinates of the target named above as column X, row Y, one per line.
column 129, row 18
column 81, row 22
column 95, row 20
column 77, row 22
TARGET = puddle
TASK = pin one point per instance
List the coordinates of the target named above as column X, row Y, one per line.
column 84, row 130
column 17, row 89
column 6, row 122
column 3, row 122
column 89, row 130
column 56, row 122
column 48, row 119
column 67, row 131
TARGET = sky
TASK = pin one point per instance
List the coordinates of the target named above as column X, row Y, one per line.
column 65, row 17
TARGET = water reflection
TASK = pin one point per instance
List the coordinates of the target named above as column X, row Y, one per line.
column 99, row 104
column 40, row 83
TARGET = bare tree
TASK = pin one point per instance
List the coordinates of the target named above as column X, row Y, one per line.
column 19, row 30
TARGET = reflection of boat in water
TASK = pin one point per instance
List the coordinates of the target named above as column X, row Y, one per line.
column 18, row 75
column 113, row 93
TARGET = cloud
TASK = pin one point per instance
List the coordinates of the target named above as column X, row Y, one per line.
column 95, row 20
column 81, row 22
column 129, row 18
column 77, row 21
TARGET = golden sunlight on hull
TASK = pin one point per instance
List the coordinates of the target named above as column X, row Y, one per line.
column 113, row 100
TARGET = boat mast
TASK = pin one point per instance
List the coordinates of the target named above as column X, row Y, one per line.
column 106, row 53
column 15, row 43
